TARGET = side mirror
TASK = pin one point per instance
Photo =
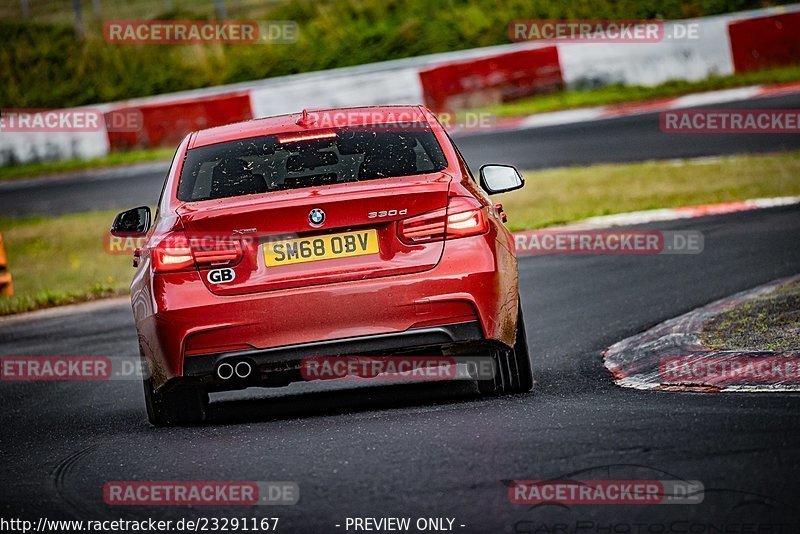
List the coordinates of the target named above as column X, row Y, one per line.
column 500, row 179
column 132, row 222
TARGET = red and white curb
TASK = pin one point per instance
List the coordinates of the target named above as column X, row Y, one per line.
column 670, row 356
column 575, row 116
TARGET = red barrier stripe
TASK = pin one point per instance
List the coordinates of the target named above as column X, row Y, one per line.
column 765, row 42
column 491, row 79
column 167, row 123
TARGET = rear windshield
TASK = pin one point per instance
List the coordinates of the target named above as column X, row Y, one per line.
column 297, row 160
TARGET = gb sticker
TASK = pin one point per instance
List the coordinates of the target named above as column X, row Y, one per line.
column 221, row 276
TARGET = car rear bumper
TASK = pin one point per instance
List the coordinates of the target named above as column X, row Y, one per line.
column 436, row 337
column 280, row 366
column 185, row 330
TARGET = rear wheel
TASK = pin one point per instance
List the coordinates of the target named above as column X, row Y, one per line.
column 497, row 383
column 512, row 367
column 522, row 358
column 181, row 406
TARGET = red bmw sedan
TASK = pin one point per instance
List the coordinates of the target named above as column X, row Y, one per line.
column 331, row 233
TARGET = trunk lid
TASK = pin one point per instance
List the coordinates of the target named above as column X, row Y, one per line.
column 283, row 247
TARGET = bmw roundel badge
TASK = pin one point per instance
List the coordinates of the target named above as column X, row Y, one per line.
column 316, row 217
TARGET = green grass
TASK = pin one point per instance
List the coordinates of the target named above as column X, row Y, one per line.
column 769, row 322
column 43, row 63
column 618, row 94
column 60, row 11
column 565, row 195
column 27, row 170
column 61, row 260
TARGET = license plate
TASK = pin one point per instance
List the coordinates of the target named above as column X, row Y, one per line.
column 323, row 247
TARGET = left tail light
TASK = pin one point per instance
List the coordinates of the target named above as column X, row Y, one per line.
column 172, row 254
column 177, row 252
column 463, row 217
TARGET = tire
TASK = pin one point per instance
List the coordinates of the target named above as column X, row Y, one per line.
column 522, row 358
column 182, row 406
column 497, row 384
column 512, row 367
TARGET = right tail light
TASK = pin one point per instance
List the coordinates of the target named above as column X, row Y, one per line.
column 463, row 217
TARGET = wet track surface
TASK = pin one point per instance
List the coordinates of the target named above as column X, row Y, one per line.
column 633, row 138
column 436, row 449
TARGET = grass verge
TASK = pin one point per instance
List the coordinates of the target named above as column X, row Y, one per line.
column 27, row 170
column 618, row 94
column 769, row 322
column 62, row 260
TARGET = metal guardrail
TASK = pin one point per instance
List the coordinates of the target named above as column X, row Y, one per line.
column 6, row 284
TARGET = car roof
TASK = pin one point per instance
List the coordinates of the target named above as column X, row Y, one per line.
column 308, row 120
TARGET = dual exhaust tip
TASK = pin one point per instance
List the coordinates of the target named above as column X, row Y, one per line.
column 241, row 369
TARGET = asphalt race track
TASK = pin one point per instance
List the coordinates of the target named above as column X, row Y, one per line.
column 436, row 449
column 633, row 138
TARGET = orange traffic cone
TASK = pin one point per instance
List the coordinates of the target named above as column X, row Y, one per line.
column 6, row 287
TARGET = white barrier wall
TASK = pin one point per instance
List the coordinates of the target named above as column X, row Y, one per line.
column 650, row 64
column 401, row 86
column 23, row 147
